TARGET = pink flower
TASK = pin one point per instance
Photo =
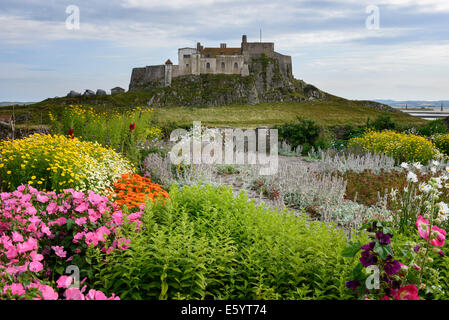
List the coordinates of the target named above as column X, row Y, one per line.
column 41, row 198
column 36, row 257
column 47, row 292
column 16, row 289
column 73, row 294
column 59, row 251
column 82, row 207
column 423, row 227
column 91, row 237
column 30, row 244
column 36, row 266
column 31, row 210
column 101, row 232
column 17, row 237
column 408, row 292
column 96, row 295
column 52, row 207
column 438, row 237
column 81, row 221
column 64, row 282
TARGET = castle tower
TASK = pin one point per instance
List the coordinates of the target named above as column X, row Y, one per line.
column 168, row 72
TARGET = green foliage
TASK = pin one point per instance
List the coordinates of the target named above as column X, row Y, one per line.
column 305, row 133
column 383, row 122
column 442, row 142
column 204, row 243
column 120, row 131
column 433, row 127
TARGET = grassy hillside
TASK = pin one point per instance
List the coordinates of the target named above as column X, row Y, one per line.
column 328, row 112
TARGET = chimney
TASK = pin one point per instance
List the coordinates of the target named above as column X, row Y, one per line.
column 244, row 39
column 199, row 47
column 222, row 45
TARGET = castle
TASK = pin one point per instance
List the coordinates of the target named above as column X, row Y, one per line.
column 203, row 60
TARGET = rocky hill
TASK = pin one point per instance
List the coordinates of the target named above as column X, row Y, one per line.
column 266, row 83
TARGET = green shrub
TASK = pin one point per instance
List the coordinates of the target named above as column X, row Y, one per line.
column 442, row 142
column 120, row 131
column 305, row 133
column 433, row 127
column 384, row 122
column 205, row 243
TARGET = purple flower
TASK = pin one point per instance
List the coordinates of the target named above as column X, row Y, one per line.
column 368, row 247
column 367, row 259
column 353, row 284
column 441, row 253
column 392, row 266
column 383, row 238
column 416, row 249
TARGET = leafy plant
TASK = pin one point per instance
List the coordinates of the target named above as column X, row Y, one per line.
column 205, row 243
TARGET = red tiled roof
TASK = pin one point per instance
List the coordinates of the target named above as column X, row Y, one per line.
column 168, row 62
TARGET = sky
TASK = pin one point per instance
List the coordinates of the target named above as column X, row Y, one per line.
column 336, row 45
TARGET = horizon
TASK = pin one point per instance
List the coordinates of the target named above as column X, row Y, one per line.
column 397, row 50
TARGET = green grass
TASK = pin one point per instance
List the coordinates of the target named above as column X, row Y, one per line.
column 329, row 112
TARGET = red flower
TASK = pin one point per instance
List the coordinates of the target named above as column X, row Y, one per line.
column 408, row 292
column 71, row 133
column 132, row 126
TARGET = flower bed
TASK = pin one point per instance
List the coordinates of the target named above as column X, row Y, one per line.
column 400, row 146
column 42, row 234
column 56, row 162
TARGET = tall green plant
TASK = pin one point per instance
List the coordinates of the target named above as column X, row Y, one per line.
column 205, row 243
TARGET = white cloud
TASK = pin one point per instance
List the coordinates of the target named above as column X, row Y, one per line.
column 20, row 30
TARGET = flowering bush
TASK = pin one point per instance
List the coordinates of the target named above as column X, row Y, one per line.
column 400, row 146
column 56, row 162
column 442, row 142
column 377, row 257
column 422, row 206
column 41, row 234
column 133, row 191
column 120, row 131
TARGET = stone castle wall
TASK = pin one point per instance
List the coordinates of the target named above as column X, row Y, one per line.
column 192, row 62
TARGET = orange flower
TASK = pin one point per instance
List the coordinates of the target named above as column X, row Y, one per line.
column 134, row 190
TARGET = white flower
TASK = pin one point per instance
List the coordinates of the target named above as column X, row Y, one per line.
column 412, row 177
column 435, row 163
column 417, row 165
column 433, row 169
column 444, row 211
column 404, row 165
column 393, row 193
column 425, row 187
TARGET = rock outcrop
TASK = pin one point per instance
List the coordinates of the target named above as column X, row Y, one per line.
column 88, row 93
column 73, row 94
column 267, row 82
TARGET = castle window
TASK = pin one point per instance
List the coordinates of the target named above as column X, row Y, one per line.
column 187, row 56
column 236, row 65
column 208, row 66
column 187, row 65
column 223, row 65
